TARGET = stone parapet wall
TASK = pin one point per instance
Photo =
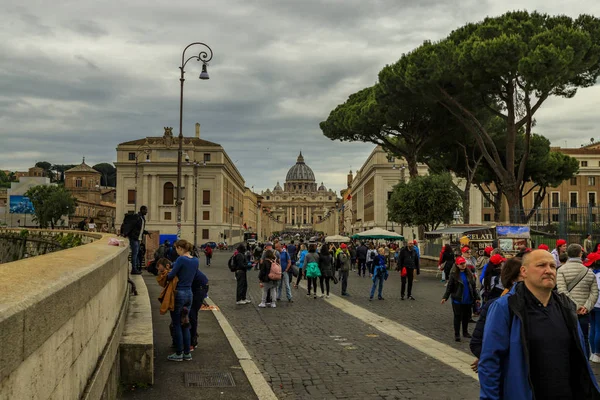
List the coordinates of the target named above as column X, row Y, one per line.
column 16, row 244
column 61, row 319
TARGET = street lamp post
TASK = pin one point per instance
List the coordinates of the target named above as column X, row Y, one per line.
column 205, row 57
column 137, row 154
column 196, row 165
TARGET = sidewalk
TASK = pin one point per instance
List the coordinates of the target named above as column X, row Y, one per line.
column 213, row 355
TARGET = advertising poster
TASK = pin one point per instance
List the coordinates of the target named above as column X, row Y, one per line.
column 20, row 205
column 513, row 231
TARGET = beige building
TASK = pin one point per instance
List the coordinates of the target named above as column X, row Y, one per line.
column 93, row 200
column 252, row 212
column 580, row 191
column 213, row 188
column 367, row 194
column 300, row 204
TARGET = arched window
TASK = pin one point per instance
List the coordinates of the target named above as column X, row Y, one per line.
column 168, row 190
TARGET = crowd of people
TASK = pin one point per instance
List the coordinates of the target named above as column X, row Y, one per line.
column 539, row 311
column 279, row 264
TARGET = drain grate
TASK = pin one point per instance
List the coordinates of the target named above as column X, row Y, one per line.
column 210, row 379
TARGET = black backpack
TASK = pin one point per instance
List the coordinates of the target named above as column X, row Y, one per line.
column 129, row 223
column 231, row 263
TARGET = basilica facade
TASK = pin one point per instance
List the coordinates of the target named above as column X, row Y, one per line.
column 301, row 205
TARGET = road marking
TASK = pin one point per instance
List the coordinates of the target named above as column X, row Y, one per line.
column 448, row 355
column 261, row 387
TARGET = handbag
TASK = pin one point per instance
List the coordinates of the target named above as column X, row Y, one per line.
column 404, row 272
column 295, row 270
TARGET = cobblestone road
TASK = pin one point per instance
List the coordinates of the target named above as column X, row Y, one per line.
column 311, row 350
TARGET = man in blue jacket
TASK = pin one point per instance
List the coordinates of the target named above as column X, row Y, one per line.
column 532, row 342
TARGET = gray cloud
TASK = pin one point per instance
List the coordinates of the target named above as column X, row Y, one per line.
column 82, row 77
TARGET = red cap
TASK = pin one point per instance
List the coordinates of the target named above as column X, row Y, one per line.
column 543, row 247
column 415, row 242
column 460, row 260
column 488, row 250
column 343, row 246
column 591, row 258
column 497, row 259
column 560, row 242
column 465, row 249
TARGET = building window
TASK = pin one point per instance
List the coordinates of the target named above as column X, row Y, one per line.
column 573, row 199
column 131, row 156
column 168, row 191
column 268, row 197
column 574, row 181
column 593, row 216
column 487, row 217
column 205, row 215
column 131, row 196
column 78, row 182
column 573, row 217
column 584, row 163
column 555, row 199
column 486, row 202
column 320, row 218
column 591, row 181
column 168, row 215
column 206, row 157
column 390, row 195
column 391, row 158
column 554, row 217
column 204, row 233
column 206, row 197
column 592, row 199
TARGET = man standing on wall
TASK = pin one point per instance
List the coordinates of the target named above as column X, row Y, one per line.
column 134, row 228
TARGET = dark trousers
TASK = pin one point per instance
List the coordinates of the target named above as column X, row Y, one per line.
column 447, row 269
column 326, row 279
column 462, row 315
column 312, row 282
column 242, row 284
column 369, row 267
column 409, row 277
column 197, row 301
column 362, row 266
column 344, row 281
column 299, row 276
column 584, row 323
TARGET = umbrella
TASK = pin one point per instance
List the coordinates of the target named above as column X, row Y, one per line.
column 337, row 239
column 378, row 233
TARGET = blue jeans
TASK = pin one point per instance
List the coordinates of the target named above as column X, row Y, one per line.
column 285, row 280
column 375, row 279
column 181, row 335
column 595, row 330
column 135, row 253
column 584, row 323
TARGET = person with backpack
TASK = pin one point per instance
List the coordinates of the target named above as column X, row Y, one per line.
column 343, row 261
column 326, row 267
column 134, row 228
column 268, row 271
column 285, row 261
column 237, row 263
column 371, row 256
column 311, row 268
column 300, row 263
column 361, row 257
column 208, row 252
column 380, row 274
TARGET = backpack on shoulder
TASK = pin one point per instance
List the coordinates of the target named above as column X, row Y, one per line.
column 343, row 262
column 275, row 271
column 231, row 263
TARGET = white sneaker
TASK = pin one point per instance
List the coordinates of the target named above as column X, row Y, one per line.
column 322, row 296
column 248, row 301
column 262, row 305
column 241, row 302
column 327, row 296
column 595, row 358
column 273, row 305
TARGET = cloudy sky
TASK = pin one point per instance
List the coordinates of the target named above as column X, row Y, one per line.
column 79, row 77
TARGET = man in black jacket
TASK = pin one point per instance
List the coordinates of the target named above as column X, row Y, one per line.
column 134, row 228
column 361, row 257
column 241, row 266
column 408, row 259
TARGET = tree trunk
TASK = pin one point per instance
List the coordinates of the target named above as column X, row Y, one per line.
column 467, row 203
column 413, row 170
column 513, row 198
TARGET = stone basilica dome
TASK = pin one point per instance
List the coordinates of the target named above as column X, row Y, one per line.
column 300, row 172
